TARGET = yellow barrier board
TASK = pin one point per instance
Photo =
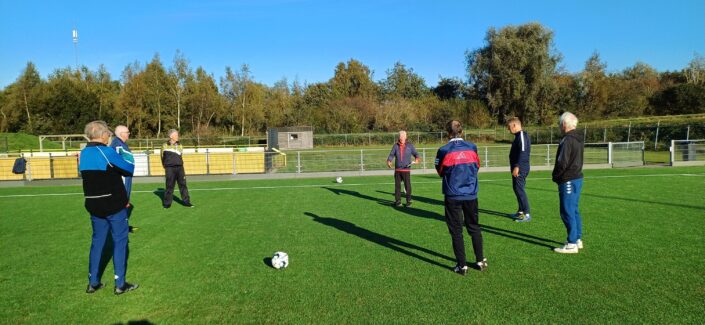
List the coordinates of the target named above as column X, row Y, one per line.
column 195, row 164
column 39, row 167
column 155, row 165
column 6, row 170
column 220, row 163
column 65, row 167
column 249, row 163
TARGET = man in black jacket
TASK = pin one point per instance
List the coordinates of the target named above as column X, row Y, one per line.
column 519, row 164
column 568, row 174
column 174, row 170
column 106, row 200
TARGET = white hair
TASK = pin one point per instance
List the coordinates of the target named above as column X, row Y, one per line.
column 568, row 120
column 171, row 131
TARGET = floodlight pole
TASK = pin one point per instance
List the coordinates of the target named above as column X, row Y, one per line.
column 74, row 34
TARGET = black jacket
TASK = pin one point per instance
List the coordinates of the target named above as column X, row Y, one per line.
column 171, row 154
column 569, row 158
column 102, row 170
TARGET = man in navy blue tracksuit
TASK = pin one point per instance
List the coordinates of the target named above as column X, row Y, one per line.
column 519, row 164
column 402, row 151
column 458, row 163
column 119, row 143
column 106, row 200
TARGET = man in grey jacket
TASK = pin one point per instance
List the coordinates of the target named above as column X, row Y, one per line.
column 401, row 153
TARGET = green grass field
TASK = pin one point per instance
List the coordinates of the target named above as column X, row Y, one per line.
column 355, row 259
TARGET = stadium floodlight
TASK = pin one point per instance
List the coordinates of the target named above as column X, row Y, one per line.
column 74, row 34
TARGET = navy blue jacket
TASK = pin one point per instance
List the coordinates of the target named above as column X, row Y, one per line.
column 458, row 163
column 403, row 159
column 520, row 154
column 102, row 170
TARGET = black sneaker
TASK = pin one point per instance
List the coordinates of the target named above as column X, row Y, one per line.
column 133, row 229
column 166, row 206
column 396, row 204
column 408, row 204
column 92, row 289
column 461, row 270
column 482, row 265
column 188, row 205
column 125, row 288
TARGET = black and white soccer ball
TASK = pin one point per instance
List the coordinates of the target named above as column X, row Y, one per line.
column 280, row 260
column 338, row 179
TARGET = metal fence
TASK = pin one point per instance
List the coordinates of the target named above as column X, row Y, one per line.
column 687, row 152
column 233, row 161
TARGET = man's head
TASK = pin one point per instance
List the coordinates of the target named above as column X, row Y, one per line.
column 454, row 129
column 567, row 122
column 122, row 132
column 514, row 125
column 173, row 135
column 97, row 131
column 402, row 136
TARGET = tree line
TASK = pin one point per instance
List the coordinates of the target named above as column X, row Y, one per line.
column 516, row 72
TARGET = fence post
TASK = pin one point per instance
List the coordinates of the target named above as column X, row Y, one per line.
column 609, row 153
column 423, row 158
column 208, row 163
column 298, row 162
column 673, row 151
column 687, row 134
column 629, row 132
column 362, row 160
column 51, row 166
column 487, row 161
column 548, row 155
column 656, row 140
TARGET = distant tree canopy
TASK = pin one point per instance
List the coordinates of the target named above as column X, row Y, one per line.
column 516, row 73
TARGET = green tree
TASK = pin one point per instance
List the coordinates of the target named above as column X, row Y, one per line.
column 179, row 76
column 132, row 97
column 26, row 92
column 157, row 88
column 402, row 82
column 353, row 79
column 594, row 91
column 515, row 71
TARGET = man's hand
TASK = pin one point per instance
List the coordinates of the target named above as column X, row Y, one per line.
column 389, row 164
column 515, row 171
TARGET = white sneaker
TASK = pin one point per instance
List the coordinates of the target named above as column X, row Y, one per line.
column 567, row 249
column 579, row 243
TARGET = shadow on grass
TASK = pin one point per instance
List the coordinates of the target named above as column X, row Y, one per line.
column 160, row 193
column 497, row 213
column 136, row 322
column 409, row 210
column 583, row 194
column 530, row 239
column 267, row 261
column 382, row 240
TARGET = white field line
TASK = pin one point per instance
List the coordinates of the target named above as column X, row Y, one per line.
column 344, row 185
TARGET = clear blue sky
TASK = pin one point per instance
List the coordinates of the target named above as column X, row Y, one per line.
column 304, row 40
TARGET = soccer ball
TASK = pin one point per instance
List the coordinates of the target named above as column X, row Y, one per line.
column 338, row 179
column 280, row 260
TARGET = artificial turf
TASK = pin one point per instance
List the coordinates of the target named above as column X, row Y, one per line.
column 356, row 259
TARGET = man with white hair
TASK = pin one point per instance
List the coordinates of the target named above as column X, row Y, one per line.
column 567, row 173
column 105, row 200
column 173, row 164
column 401, row 153
column 122, row 133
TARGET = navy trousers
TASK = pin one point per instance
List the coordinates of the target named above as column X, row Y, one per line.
column 518, row 184
column 118, row 228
